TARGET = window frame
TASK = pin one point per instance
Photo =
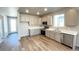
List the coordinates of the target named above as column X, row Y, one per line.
column 64, row 20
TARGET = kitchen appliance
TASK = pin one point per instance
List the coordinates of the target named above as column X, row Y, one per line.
column 44, row 23
column 67, row 39
column 45, row 27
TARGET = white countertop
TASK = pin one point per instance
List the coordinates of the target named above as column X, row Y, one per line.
column 64, row 31
column 51, row 29
column 35, row 27
column 69, row 32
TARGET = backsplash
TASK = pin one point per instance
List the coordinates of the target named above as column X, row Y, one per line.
column 76, row 28
column 73, row 28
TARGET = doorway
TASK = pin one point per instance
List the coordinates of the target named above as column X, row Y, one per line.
column 12, row 24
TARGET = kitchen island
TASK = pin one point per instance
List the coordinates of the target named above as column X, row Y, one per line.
column 34, row 30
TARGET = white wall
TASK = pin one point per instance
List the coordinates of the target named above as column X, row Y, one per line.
column 7, row 11
column 1, row 29
column 4, row 13
column 5, row 26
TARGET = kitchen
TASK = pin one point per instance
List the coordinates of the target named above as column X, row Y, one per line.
column 36, row 29
column 65, row 32
column 39, row 28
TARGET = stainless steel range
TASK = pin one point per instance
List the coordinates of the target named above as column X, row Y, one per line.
column 45, row 27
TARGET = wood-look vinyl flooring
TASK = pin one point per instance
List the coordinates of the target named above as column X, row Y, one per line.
column 34, row 43
column 42, row 43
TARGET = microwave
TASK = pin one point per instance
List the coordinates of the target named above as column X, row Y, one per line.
column 44, row 23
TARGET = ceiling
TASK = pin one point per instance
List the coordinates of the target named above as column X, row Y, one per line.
column 9, row 11
column 34, row 10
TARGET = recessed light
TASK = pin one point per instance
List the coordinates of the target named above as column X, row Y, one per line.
column 27, row 11
column 38, row 13
column 45, row 9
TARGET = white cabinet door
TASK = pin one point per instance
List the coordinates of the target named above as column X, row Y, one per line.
column 49, row 20
column 47, row 33
column 31, row 21
column 57, row 36
column 22, row 17
column 34, row 32
column 24, row 29
column 52, row 35
column 71, row 17
column 35, row 21
column 27, row 18
column 44, row 18
column 78, row 40
column 38, row 21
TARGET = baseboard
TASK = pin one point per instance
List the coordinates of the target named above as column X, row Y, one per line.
column 12, row 33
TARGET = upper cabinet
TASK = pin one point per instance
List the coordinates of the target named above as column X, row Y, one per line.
column 24, row 17
column 33, row 20
column 71, row 17
column 48, row 19
column 44, row 19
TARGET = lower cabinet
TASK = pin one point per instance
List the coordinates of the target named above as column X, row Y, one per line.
column 23, row 30
column 68, row 39
column 47, row 33
column 53, row 35
column 57, row 36
column 34, row 32
column 78, row 40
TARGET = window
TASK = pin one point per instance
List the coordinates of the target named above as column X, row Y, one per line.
column 59, row 20
column 13, row 25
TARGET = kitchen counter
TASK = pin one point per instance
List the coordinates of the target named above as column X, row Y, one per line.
column 54, row 34
column 51, row 29
column 35, row 30
column 64, row 31
column 35, row 27
column 69, row 32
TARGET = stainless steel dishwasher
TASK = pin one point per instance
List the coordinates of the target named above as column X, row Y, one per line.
column 67, row 39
